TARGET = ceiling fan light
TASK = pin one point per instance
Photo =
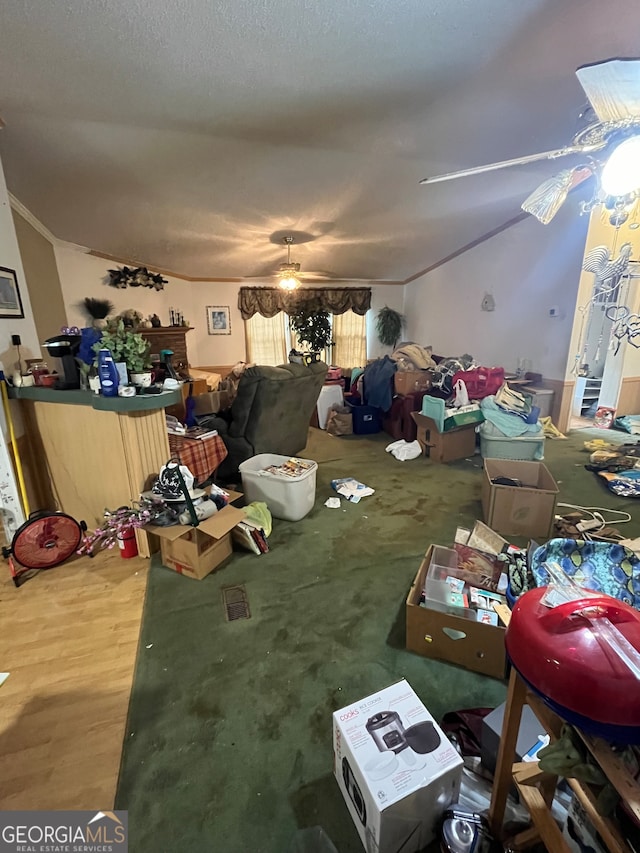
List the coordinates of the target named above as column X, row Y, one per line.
column 288, row 282
column 621, row 172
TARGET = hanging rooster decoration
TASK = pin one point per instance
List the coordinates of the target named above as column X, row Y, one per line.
column 608, row 273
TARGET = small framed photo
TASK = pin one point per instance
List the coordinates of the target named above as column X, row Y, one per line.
column 218, row 320
column 10, row 302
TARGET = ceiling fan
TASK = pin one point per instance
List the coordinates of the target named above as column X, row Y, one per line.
column 290, row 277
column 613, row 91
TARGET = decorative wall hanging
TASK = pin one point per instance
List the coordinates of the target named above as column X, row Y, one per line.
column 136, row 277
column 625, row 325
column 10, row 302
column 612, row 277
column 218, row 319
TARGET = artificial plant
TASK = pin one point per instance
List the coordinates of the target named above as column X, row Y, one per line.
column 97, row 310
column 389, row 326
column 120, row 521
column 125, row 345
column 312, row 328
column 135, row 277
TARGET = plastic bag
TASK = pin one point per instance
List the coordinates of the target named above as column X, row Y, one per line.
column 404, row 450
column 258, row 512
column 339, row 421
column 168, row 485
column 461, row 394
column 481, row 381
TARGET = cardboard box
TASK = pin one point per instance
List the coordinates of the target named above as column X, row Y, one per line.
column 527, row 510
column 197, row 551
column 446, row 419
column 411, row 381
column 456, row 443
column 579, row 833
column 454, row 639
column 396, row 769
column 529, row 732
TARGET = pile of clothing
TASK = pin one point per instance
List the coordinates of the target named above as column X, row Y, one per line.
column 618, row 466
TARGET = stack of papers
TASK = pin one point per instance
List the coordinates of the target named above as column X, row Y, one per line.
column 351, row 489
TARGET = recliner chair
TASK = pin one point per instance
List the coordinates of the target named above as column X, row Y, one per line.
column 270, row 414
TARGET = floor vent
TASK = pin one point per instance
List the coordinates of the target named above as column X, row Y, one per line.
column 235, row 601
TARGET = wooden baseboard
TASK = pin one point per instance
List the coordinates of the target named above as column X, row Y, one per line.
column 629, row 396
column 561, row 411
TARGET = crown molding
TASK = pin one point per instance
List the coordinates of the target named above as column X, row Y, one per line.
column 35, row 223
column 118, row 259
column 25, row 213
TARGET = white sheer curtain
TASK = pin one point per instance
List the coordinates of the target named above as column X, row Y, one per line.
column 266, row 343
column 350, row 337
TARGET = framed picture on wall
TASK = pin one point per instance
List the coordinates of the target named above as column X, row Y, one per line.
column 10, row 302
column 218, row 320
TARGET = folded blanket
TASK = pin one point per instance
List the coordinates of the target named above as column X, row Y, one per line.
column 506, row 423
column 413, row 357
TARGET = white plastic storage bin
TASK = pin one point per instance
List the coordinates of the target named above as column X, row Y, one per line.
column 522, row 447
column 289, row 498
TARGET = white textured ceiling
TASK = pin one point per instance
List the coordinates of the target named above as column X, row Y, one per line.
column 185, row 134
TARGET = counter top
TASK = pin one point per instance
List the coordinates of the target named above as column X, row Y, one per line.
column 139, row 403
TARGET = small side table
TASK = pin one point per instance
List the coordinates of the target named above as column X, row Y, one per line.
column 537, row 788
column 202, row 456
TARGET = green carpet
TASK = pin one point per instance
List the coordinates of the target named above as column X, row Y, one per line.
column 228, row 743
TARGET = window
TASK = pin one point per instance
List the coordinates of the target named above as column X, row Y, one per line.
column 269, row 340
column 266, row 341
column 350, row 339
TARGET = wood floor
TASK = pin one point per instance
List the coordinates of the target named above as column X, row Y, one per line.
column 70, row 638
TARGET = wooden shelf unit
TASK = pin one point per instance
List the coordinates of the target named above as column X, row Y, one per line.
column 587, row 392
column 527, row 777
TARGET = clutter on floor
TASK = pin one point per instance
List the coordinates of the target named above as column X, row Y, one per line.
column 455, row 614
column 527, row 509
column 404, row 450
column 395, row 768
column 618, row 465
column 286, row 484
column 457, row 442
column 351, row 489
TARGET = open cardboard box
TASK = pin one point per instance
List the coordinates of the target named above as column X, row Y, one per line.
column 457, row 443
column 454, row 639
column 197, row 551
column 527, row 510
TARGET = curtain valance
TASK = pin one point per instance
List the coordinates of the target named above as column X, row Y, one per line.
column 269, row 301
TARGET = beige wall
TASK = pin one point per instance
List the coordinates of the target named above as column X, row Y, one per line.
column 41, row 273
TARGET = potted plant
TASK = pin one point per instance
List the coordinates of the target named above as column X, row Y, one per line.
column 129, row 348
column 312, row 328
column 389, row 326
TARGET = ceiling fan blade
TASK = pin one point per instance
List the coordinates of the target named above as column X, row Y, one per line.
column 547, row 199
column 613, row 88
column 518, row 161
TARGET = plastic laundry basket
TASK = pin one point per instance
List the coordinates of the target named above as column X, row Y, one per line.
column 289, row 498
column 520, row 447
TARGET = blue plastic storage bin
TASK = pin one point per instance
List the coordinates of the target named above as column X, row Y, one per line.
column 366, row 419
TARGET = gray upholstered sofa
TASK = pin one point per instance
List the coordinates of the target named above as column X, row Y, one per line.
column 270, row 413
